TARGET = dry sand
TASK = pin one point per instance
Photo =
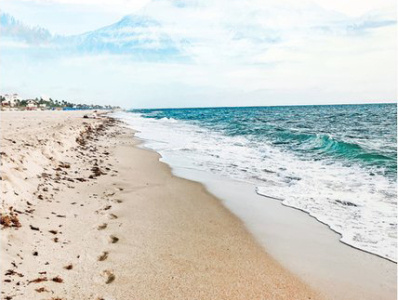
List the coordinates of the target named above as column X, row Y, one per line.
column 87, row 215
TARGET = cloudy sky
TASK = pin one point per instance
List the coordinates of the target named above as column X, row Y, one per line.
column 175, row 53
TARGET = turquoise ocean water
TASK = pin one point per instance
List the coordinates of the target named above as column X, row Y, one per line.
column 338, row 163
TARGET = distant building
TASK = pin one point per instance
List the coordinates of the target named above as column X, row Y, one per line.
column 31, row 104
column 10, row 100
column 5, row 103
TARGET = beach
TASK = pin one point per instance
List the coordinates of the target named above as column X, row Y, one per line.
column 315, row 197
column 240, row 151
column 86, row 214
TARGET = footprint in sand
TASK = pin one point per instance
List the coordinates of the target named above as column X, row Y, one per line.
column 102, row 226
column 112, row 216
column 113, row 239
column 109, row 276
column 107, row 207
column 103, row 256
column 109, row 193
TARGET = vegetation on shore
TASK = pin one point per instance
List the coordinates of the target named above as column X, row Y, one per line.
column 54, row 104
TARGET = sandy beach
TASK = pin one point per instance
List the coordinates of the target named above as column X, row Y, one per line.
column 198, row 150
column 88, row 215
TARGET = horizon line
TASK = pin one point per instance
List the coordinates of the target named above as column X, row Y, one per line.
column 253, row 106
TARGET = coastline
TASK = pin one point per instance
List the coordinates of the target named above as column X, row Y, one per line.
column 131, row 230
column 300, row 242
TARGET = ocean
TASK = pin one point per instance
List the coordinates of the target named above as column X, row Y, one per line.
column 337, row 163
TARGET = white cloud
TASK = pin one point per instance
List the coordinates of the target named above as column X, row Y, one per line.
column 243, row 32
column 356, row 8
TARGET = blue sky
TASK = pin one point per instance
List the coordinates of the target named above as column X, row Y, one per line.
column 174, row 53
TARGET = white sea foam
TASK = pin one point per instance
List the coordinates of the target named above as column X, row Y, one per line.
column 359, row 206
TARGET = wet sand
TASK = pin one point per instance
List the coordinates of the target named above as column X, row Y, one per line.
column 303, row 245
column 88, row 215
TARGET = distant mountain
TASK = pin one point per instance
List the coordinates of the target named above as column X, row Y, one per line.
column 12, row 28
column 139, row 36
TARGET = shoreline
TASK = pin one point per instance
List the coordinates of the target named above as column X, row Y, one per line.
column 303, row 245
column 352, row 274
column 104, row 219
column 333, row 178
column 183, row 174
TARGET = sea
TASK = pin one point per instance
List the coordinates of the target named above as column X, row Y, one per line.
column 338, row 163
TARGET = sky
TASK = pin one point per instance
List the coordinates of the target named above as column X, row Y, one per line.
column 195, row 53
